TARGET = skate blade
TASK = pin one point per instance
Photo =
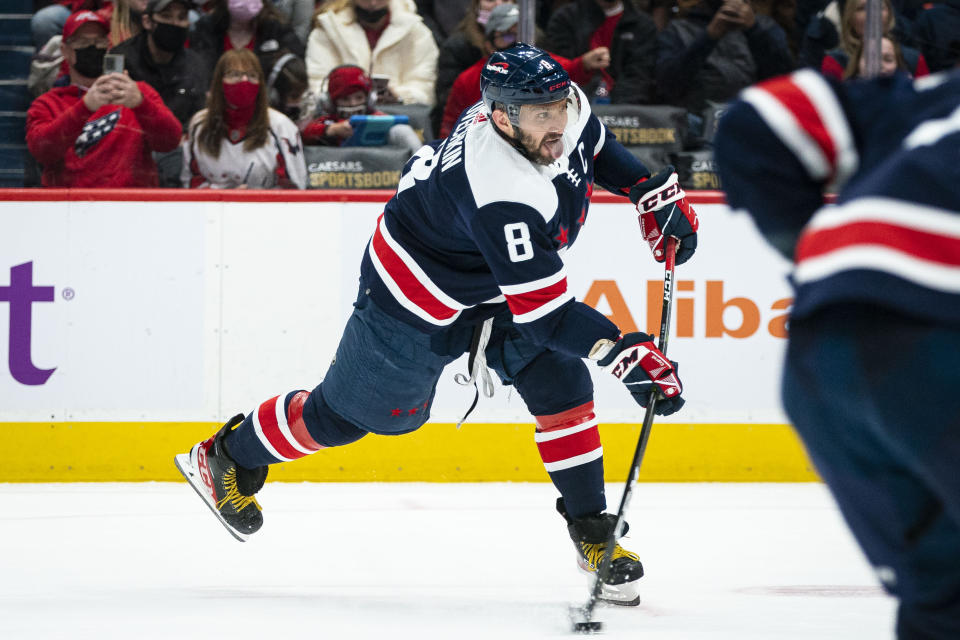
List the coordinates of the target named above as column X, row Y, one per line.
column 189, row 472
column 622, row 595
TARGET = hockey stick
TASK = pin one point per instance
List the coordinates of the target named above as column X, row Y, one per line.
column 583, row 621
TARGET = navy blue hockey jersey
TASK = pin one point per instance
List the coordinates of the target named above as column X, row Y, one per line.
column 474, row 225
column 891, row 146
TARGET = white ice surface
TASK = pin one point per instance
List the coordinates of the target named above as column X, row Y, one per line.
column 389, row 561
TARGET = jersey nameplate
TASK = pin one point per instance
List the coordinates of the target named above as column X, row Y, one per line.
column 453, row 148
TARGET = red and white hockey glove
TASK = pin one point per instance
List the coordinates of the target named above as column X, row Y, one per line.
column 664, row 211
column 636, row 361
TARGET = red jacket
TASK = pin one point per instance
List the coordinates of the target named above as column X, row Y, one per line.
column 108, row 148
column 466, row 88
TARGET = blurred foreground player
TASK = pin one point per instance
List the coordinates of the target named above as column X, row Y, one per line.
column 872, row 379
column 467, row 257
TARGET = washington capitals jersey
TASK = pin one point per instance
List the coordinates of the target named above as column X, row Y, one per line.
column 892, row 237
column 475, row 225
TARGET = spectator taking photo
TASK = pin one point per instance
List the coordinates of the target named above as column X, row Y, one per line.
column 101, row 130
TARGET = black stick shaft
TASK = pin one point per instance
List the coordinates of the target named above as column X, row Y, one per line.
column 665, row 315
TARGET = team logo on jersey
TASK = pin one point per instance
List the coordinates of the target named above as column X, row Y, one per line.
column 292, row 147
column 498, row 67
column 94, row 131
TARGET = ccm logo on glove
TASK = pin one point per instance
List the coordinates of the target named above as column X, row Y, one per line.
column 636, row 361
column 665, row 212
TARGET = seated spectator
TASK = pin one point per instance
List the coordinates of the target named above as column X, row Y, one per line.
column 243, row 24
column 157, row 56
column 501, row 33
column 48, row 21
column 101, row 129
column 715, row 48
column 349, row 93
column 891, row 61
column 299, row 13
column 937, row 31
column 287, row 86
column 461, row 50
column 238, row 141
column 852, row 23
column 628, row 36
column 385, row 37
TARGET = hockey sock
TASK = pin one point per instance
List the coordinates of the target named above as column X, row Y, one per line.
column 289, row 427
column 569, row 444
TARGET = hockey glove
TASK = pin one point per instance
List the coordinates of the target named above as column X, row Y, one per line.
column 636, row 361
column 664, row 211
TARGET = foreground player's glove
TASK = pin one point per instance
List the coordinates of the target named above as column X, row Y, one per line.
column 636, row 361
column 664, row 211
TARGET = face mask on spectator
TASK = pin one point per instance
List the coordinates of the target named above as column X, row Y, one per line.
column 370, row 17
column 89, row 61
column 244, row 10
column 169, row 37
column 483, row 15
column 241, row 100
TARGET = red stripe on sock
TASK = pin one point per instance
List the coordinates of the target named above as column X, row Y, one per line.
column 568, row 418
column 267, row 414
column 575, row 444
column 297, row 426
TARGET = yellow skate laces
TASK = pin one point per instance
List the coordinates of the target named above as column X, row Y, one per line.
column 237, row 500
column 593, row 553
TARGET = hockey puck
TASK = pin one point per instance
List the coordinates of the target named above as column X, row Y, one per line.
column 589, row 626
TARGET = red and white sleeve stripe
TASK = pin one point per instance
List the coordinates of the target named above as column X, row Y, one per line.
column 285, row 438
column 408, row 283
column 918, row 243
column 568, row 439
column 532, row 300
column 804, row 112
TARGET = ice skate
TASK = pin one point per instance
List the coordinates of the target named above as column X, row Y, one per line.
column 225, row 487
column 590, row 535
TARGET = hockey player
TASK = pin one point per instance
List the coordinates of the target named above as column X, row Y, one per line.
column 872, row 372
column 467, row 257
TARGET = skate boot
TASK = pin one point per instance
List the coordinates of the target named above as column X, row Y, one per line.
column 225, row 487
column 590, row 535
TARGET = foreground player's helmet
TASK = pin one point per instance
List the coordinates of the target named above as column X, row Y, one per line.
column 522, row 75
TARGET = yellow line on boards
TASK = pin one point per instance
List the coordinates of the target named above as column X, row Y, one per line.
column 143, row 451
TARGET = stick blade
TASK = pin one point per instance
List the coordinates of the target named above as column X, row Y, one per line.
column 587, row 627
column 581, row 621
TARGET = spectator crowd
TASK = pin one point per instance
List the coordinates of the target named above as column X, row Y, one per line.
column 227, row 93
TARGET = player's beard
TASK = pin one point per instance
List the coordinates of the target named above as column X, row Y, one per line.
column 537, row 151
